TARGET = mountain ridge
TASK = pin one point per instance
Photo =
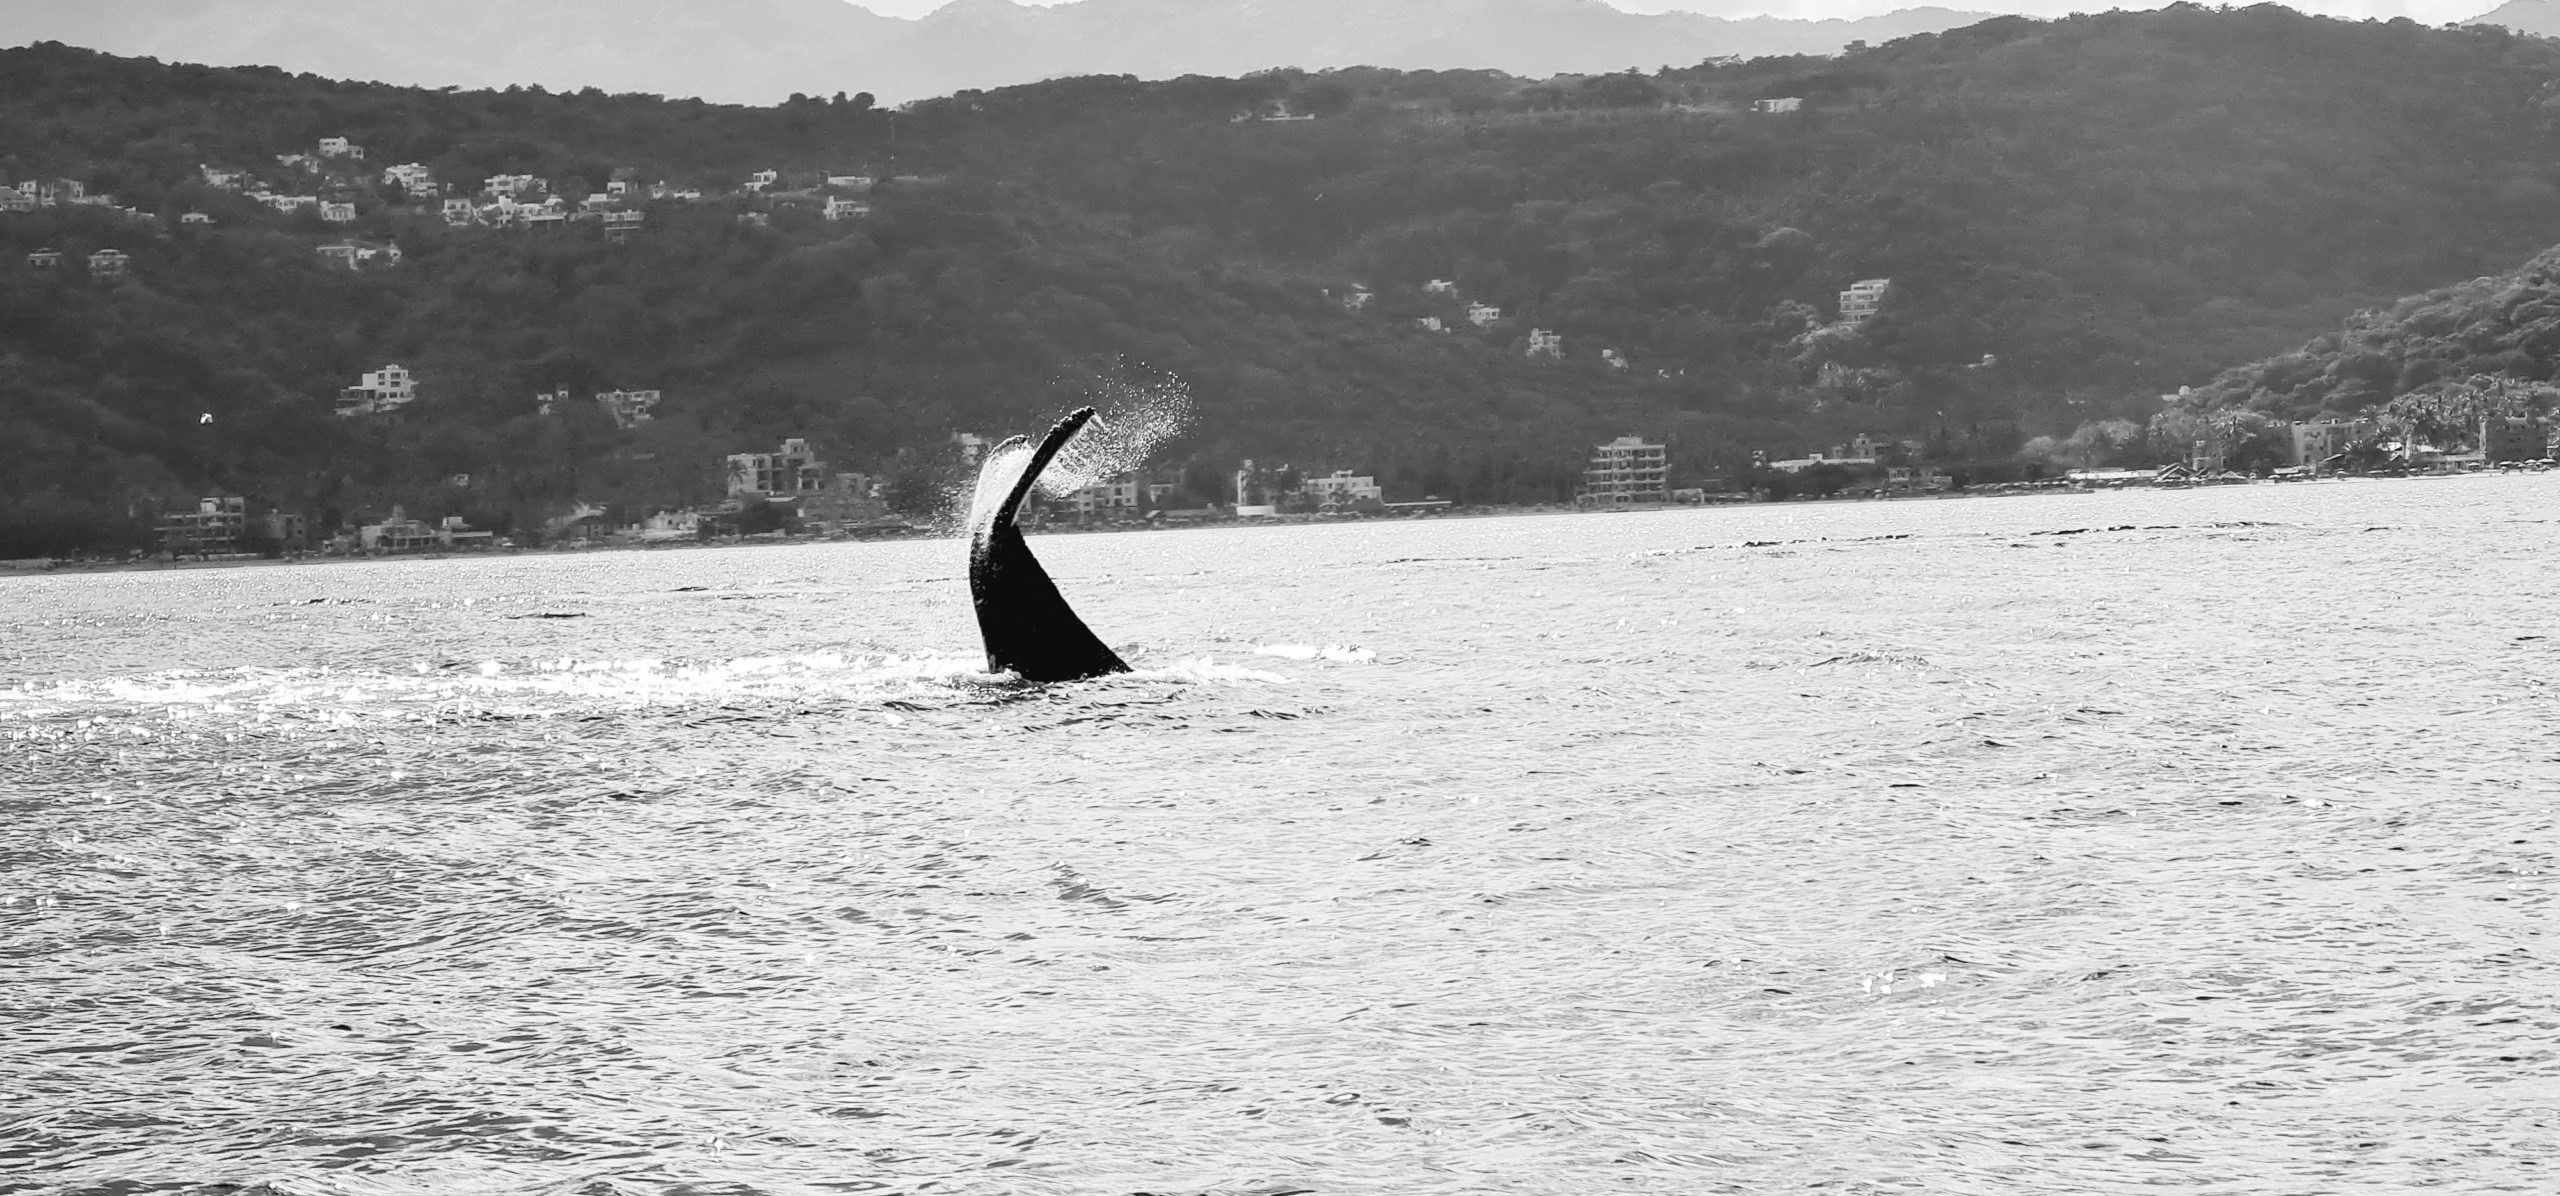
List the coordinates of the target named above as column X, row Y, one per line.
column 761, row 50
column 2075, row 216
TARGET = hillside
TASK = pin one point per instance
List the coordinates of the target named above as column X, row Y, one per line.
column 2076, row 216
column 2439, row 360
column 760, row 51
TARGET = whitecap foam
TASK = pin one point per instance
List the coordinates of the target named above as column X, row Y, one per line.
column 1208, row 671
column 1339, row 653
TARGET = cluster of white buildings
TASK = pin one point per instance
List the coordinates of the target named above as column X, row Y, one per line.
column 1543, row 342
column 1865, row 448
column 31, row 194
column 356, row 256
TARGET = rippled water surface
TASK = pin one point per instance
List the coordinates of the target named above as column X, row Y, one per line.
column 2199, row 841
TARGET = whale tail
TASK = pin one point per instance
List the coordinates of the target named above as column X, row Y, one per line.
column 1028, row 627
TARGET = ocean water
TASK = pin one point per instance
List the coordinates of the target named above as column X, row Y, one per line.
column 2192, row 841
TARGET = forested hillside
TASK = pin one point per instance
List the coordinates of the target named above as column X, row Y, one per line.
column 2076, row 217
column 2435, row 363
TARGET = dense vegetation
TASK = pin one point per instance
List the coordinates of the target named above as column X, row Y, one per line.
column 2431, row 364
column 2077, row 215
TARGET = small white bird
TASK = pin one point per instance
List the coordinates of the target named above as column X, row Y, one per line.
column 206, row 419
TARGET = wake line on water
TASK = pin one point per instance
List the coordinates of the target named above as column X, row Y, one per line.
column 2221, row 525
column 571, row 683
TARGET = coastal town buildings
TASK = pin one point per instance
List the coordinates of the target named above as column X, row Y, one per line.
column 2505, row 438
column 840, row 208
column 1776, row 104
column 663, row 527
column 1863, row 451
column 1252, row 501
column 1864, row 297
column 792, row 470
column 109, row 263
column 381, row 392
column 1543, row 343
column 1626, row 470
column 1342, row 491
column 213, row 528
column 1866, row 448
column 2317, row 442
column 1114, row 496
column 45, row 259
column 629, row 408
column 1482, row 314
column 847, row 499
column 411, row 177
column 340, row 147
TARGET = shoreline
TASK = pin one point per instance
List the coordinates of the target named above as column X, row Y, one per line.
column 45, row 567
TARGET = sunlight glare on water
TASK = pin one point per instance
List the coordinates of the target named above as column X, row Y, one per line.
column 2198, row 841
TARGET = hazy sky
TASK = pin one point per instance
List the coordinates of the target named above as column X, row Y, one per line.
column 2432, row 12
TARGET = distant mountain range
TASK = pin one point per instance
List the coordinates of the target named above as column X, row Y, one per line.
column 762, row 50
column 2539, row 17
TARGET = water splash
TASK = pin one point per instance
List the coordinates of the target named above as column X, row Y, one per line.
column 1135, row 415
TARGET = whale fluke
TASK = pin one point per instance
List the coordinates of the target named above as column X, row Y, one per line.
column 1028, row 626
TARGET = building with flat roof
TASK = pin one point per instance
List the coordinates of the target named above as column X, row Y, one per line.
column 1862, row 299
column 1341, row 490
column 1113, row 496
column 2314, row 443
column 792, row 470
column 1626, row 470
column 380, row 392
column 2514, row 438
column 214, row 528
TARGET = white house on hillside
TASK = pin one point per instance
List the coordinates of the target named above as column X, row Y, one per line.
column 1862, row 299
column 382, row 392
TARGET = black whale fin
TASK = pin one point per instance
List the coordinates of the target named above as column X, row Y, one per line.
column 1029, row 628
